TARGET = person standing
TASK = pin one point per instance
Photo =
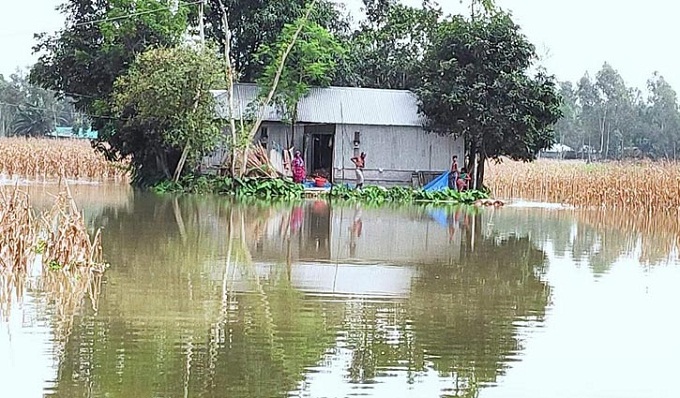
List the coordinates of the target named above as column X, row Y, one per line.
column 453, row 173
column 299, row 172
column 360, row 163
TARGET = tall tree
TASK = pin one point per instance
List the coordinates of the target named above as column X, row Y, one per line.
column 98, row 44
column 568, row 129
column 163, row 107
column 312, row 62
column 616, row 110
column 663, row 117
column 591, row 106
column 476, row 86
column 254, row 23
column 387, row 49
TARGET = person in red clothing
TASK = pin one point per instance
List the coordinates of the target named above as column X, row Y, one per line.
column 299, row 172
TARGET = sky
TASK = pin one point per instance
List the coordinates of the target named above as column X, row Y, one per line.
column 572, row 36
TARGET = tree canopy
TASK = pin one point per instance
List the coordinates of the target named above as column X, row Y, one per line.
column 607, row 119
column 163, row 106
column 256, row 23
column 311, row 62
column 387, row 49
column 99, row 42
column 476, row 85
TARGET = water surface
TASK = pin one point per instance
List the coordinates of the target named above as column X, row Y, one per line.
column 205, row 298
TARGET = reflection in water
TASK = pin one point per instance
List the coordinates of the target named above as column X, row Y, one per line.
column 208, row 298
column 192, row 306
column 598, row 238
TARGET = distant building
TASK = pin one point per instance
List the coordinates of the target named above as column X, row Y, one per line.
column 336, row 123
column 67, row 132
column 558, row 151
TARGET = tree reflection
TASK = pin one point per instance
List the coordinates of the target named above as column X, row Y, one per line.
column 178, row 323
column 460, row 320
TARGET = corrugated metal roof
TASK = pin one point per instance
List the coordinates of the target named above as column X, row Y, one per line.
column 336, row 105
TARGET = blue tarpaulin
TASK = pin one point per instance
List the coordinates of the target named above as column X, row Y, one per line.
column 440, row 216
column 438, row 184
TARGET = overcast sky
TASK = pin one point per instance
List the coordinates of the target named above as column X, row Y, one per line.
column 572, row 35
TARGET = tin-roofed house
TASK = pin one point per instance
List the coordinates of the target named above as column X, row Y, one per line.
column 336, row 123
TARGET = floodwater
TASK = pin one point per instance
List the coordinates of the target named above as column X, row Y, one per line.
column 209, row 299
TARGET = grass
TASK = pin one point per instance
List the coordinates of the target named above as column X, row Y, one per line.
column 612, row 185
column 40, row 158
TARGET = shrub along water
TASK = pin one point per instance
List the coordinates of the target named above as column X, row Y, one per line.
column 242, row 188
column 404, row 194
column 285, row 189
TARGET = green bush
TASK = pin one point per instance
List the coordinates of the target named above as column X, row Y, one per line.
column 374, row 194
column 239, row 187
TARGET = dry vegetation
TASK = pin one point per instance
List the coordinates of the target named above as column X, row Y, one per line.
column 69, row 261
column 57, row 239
column 644, row 185
column 48, row 158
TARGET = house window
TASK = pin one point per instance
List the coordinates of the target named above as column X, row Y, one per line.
column 357, row 139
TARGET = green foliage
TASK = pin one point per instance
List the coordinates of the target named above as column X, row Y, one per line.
column 32, row 122
column 241, row 188
column 40, row 247
column 380, row 195
column 255, row 23
column 476, row 85
column 84, row 59
column 387, row 49
column 311, row 62
column 610, row 120
column 28, row 110
column 163, row 104
column 54, row 265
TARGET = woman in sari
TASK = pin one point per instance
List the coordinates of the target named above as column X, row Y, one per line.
column 299, row 172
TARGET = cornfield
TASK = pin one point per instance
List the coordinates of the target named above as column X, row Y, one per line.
column 48, row 158
column 615, row 185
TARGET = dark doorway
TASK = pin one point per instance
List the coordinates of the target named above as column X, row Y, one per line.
column 322, row 155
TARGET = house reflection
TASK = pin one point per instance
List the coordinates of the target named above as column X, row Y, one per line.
column 325, row 232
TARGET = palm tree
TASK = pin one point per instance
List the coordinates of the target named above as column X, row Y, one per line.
column 31, row 121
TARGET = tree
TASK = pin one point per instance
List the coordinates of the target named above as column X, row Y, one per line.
column 163, row 107
column 476, row 86
column 311, row 62
column 98, row 44
column 616, row 110
column 32, row 122
column 254, row 23
column 387, row 49
column 568, row 128
column 663, row 117
column 591, row 105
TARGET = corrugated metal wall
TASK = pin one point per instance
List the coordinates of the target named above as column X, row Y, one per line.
column 393, row 153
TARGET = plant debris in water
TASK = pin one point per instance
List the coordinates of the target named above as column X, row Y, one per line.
column 59, row 237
